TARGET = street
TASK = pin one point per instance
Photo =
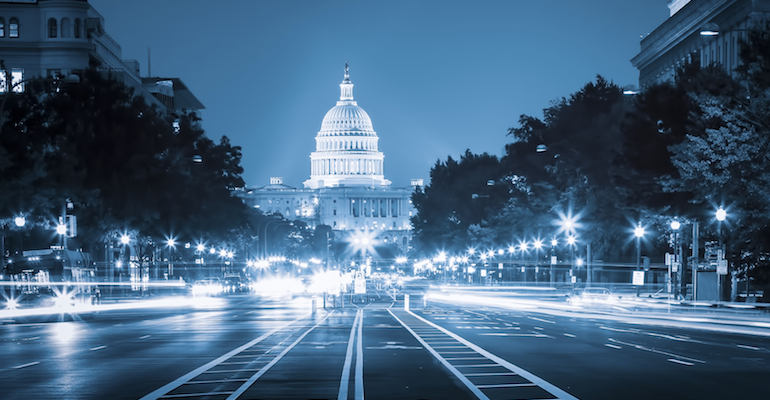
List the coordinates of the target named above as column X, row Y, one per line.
column 241, row 346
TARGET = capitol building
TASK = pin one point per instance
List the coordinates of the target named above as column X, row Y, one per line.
column 347, row 189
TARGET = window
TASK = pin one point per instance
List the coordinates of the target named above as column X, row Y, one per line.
column 334, row 212
column 2, row 27
column 52, row 29
column 13, row 28
column 77, row 27
column 65, row 28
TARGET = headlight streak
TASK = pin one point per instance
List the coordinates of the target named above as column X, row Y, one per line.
column 169, row 302
column 717, row 323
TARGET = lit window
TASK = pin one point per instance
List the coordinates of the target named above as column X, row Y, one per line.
column 52, row 28
column 13, row 28
column 2, row 27
column 17, row 75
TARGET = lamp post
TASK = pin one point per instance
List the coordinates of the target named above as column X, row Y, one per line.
column 571, row 242
column 721, row 215
column 638, row 232
column 554, row 242
column 674, row 275
column 170, row 244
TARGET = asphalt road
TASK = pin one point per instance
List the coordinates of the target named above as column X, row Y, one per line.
column 245, row 347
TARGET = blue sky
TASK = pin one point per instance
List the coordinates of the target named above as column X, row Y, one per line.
column 436, row 77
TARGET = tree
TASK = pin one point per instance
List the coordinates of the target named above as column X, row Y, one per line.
column 120, row 161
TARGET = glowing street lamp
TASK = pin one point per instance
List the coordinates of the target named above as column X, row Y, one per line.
column 20, row 221
column 638, row 232
column 675, row 225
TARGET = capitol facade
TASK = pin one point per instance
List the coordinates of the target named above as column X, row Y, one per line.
column 347, row 189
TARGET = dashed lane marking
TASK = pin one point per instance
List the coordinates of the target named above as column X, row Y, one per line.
column 26, row 365
column 673, row 360
column 613, row 346
column 97, row 348
column 743, row 346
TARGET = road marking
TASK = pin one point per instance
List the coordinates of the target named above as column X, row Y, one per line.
column 680, row 362
column 640, row 347
column 26, row 365
column 569, row 335
column 547, row 386
column 476, row 391
column 537, row 335
column 492, row 374
column 97, row 348
column 613, row 346
column 156, row 394
column 743, row 346
column 345, row 378
column 506, row 385
column 360, row 360
column 144, row 337
column 275, row 360
column 541, row 320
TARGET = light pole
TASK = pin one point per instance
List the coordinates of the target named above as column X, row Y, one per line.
column 571, row 242
column 554, row 242
column 721, row 215
column 638, row 232
column 675, row 274
column 170, row 244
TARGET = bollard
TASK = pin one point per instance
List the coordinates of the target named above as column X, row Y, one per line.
column 406, row 302
column 314, row 304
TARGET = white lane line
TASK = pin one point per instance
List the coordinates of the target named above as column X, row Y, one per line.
column 476, row 391
column 360, row 360
column 97, row 348
column 569, row 335
column 492, row 374
column 673, row 360
column 26, row 365
column 202, row 369
column 345, row 379
column 547, row 386
column 743, row 346
column 613, row 346
column 541, row 320
column 506, row 385
column 271, row 363
column 537, row 335
column 144, row 337
column 665, row 353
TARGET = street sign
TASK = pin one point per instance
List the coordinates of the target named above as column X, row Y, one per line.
column 638, row 278
column 675, row 267
column 722, row 267
column 553, row 260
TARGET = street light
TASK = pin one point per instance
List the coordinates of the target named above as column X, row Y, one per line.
column 675, row 225
column 721, row 215
column 712, row 29
column 638, row 232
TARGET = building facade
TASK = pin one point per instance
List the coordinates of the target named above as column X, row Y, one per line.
column 702, row 31
column 49, row 38
column 347, row 189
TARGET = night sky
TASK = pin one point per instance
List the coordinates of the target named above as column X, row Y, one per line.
column 436, row 77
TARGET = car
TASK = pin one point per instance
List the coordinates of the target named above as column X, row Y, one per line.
column 590, row 296
column 207, row 287
column 233, row 284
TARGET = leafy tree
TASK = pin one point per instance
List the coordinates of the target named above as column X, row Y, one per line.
column 119, row 160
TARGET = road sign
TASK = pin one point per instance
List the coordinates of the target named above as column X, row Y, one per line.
column 675, row 267
column 553, row 260
column 638, row 278
column 722, row 267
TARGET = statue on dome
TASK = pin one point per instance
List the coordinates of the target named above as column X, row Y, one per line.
column 347, row 68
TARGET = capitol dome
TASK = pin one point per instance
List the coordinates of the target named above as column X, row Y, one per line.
column 346, row 146
column 346, row 118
